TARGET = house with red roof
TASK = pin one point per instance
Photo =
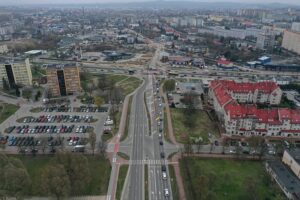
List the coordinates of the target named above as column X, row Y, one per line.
column 235, row 103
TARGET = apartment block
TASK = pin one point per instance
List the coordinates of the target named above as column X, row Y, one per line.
column 266, row 39
column 63, row 79
column 16, row 73
column 291, row 41
column 235, row 104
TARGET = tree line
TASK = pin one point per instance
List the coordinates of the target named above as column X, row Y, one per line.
column 66, row 175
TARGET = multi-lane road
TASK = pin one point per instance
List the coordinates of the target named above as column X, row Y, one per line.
column 134, row 187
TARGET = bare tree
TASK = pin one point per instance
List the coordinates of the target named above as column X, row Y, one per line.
column 92, row 140
column 102, row 146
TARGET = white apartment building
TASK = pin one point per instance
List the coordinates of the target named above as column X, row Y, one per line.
column 296, row 26
column 3, row 49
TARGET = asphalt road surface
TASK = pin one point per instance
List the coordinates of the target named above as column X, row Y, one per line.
column 138, row 128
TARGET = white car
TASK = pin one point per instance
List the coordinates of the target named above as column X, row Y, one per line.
column 164, row 175
column 166, row 191
column 232, row 151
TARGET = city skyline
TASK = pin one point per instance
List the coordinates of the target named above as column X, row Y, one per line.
column 16, row 2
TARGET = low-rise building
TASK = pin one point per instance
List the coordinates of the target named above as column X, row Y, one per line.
column 16, row 73
column 292, row 159
column 285, row 178
column 63, row 79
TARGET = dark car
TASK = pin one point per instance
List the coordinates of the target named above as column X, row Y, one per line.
column 216, row 143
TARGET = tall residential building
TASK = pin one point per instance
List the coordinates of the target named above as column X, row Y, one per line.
column 296, row 26
column 16, row 73
column 291, row 41
column 63, row 79
column 266, row 39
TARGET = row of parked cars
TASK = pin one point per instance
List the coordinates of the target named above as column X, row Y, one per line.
column 57, row 109
column 26, row 129
column 58, row 119
column 73, row 141
column 22, row 141
column 90, row 109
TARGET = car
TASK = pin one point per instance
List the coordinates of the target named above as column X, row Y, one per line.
column 166, row 192
column 216, row 143
column 162, row 155
column 232, row 151
column 164, row 175
column 161, row 142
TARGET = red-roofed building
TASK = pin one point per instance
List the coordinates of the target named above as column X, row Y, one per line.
column 262, row 92
column 222, row 62
column 247, row 119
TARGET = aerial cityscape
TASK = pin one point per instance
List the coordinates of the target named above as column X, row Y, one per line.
column 150, row 100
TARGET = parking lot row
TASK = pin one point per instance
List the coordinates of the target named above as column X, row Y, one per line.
column 58, row 119
column 34, row 142
column 26, row 129
column 75, row 109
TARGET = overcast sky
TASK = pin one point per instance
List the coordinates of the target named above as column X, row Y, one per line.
column 3, row 2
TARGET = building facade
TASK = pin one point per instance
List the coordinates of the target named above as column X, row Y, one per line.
column 16, row 73
column 296, row 26
column 3, row 49
column 291, row 41
column 266, row 40
column 235, row 104
column 63, row 79
column 292, row 159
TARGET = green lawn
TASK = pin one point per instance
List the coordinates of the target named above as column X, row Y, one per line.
column 37, row 71
column 203, row 126
column 6, row 110
column 130, row 84
column 146, row 183
column 125, row 134
column 121, row 179
column 175, row 191
column 123, row 155
column 227, row 180
column 107, row 136
column 117, row 78
column 127, row 83
column 99, row 169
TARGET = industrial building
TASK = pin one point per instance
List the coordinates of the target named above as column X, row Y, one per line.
column 63, row 79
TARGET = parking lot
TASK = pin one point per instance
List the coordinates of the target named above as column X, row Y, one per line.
column 45, row 129
column 57, row 119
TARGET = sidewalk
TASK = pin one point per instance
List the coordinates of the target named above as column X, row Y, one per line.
column 175, row 159
column 169, row 119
